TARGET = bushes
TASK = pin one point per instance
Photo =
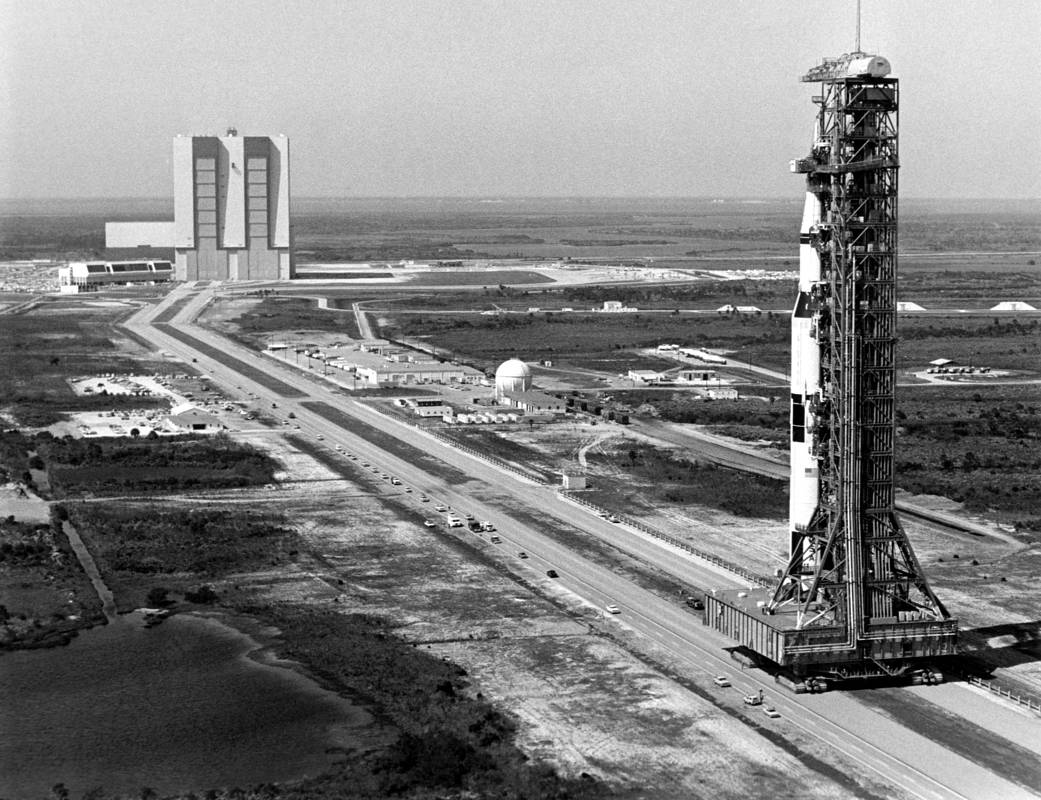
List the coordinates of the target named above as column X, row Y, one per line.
column 168, row 464
column 449, row 742
column 680, row 481
column 205, row 541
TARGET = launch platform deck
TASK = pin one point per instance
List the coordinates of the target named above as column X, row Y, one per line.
column 744, row 617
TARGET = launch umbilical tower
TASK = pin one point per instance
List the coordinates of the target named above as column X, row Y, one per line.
column 853, row 600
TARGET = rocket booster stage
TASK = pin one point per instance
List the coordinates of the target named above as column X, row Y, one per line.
column 804, row 489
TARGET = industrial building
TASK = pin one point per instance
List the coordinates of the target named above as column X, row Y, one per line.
column 427, row 406
column 534, row 402
column 853, row 601
column 231, row 210
column 404, row 372
column 89, row 276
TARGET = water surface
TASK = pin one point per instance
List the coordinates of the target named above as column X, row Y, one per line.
column 177, row 707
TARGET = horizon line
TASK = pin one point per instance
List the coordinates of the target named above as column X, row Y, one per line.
column 507, row 197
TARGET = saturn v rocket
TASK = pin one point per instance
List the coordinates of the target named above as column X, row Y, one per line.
column 806, row 375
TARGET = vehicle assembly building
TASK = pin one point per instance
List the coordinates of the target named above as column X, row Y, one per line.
column 853, row 601
column 231, row 210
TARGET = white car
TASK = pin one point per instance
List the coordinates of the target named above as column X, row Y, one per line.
column 722, row 681
column 612, row 609
column 771, row 712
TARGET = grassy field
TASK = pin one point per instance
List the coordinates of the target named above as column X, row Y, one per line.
column 292, row 314
column 43, row 349
column 975, row 445
column 646, row 476
column 580, row 339
column 999, row 341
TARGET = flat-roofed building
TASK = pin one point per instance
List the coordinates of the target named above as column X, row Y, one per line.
column 88, row 276
column 645, row 376
column 534, row 402
column 397, row 374
column 428, row 406
column 697, row 376
column 231, row 210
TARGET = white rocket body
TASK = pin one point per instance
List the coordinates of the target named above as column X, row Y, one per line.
column 804, row 488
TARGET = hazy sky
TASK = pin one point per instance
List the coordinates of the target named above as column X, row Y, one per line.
column 446, row 97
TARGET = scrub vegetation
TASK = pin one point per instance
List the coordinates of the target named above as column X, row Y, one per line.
column 977, row 445
column 125, row 466
column 646, row 475
column 149, row 552
column 447, row 741
column 292, row 313
column 579, row 339
column 44, row 595
column 41, row 351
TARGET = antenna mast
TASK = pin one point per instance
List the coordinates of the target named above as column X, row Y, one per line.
column 858, row 27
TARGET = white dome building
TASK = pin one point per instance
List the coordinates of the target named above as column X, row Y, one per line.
column 511, row 377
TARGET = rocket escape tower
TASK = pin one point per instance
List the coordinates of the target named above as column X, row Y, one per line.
column 853, row 600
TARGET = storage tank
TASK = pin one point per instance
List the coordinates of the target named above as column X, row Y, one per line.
column 511, row 377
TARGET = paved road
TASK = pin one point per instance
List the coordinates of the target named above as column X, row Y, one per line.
column 901, row 755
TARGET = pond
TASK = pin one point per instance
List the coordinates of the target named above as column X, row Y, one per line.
column 178, row 707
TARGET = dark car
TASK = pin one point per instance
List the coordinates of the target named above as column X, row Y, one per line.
column 551, row 573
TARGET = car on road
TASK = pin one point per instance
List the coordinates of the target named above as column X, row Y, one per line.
column 771, row 712
column 551, row 573
column 522, row 554
column 474, row 525
column 395, row 482
column 408, row 490
column 441, row 507
column 613, row 518
column 487, row 526
column 429, row 523
column 470, row 517
column 424, row 499
column 319, row 437
column 611, row 608
column 721, row 681
column 496, row 540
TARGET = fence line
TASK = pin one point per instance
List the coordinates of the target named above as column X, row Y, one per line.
column 729, row 566
column 993, row 688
